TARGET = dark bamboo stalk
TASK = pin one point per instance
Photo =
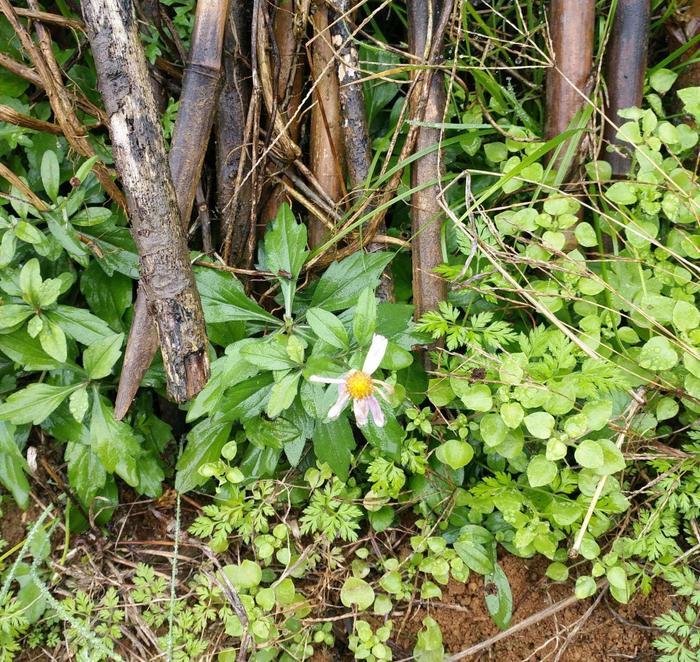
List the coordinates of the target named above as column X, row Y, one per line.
column 626, row 63
column 358, row 150
column 571, row 26
column 426, row 214
column 139, row 153
column 190, row 138
column 326, row 138
column 233, row 154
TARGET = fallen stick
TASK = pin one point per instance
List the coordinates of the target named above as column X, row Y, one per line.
column 139, row 153
column 189, row 144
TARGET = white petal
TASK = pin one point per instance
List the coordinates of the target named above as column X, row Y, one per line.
column 319, row 379
column 377, row 413
column 376, row 353
column 340, row 404
column 361, row 408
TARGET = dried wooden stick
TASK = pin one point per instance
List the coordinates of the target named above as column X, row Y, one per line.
column 190, row 138
column 139, row 152
column 426, row 214
column 571, row 26
column 10, row 115
column 625, row 68
column 326, row 139
column 233, row 158
column 61, row 102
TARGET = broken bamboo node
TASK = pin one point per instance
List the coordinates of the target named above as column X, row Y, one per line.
column 626, row 63
column 169, row 292
column 200, row 90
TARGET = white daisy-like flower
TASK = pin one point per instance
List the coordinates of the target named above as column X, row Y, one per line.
column 359, row 387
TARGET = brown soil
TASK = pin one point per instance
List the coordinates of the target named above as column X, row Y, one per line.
column 611, row 632
column 142, row 532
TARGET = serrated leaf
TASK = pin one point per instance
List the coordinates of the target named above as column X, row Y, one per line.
column 34, row 403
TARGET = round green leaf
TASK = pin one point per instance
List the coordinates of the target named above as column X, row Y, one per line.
column 540, row 424
column 356, row 592
column 455, row 453
column 658, row 354
column 589, row 454
column 541, row 471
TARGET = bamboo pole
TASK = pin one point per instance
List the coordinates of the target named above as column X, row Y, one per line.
column 139, row 153
column 426, row 214
column 571, row 27
column 626, row 63
column 353, row 121
column 234, row 188
column 327, row 153
column 190, row 138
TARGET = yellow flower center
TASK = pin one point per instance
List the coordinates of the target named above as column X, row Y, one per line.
column 359, row 385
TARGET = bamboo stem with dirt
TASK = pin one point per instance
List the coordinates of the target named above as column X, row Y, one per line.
column 426, row 214
column 327, row 154
column 190, row 139
column 234, row 188
column 572, row 28
column 139, row 153
column 626, row 64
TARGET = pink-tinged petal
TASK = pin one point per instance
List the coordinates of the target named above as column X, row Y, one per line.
column 376, row 410
column 361, row 408
column 340, row 403
column 319, row 379
column 375, row 354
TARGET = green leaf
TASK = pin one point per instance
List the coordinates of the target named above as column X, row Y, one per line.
column 333, row 444
column 388, row 438
column 78, row 403
column 512, row 414
column 476, row 397
column 662, row 80
column 26, row 351
column 540, row 471
column 246, row 399
column 268, row 354
column 13, row 467
column 282, row 394
column 585, row 587
column 204, row 443
column 245, row 575
column 34, row 403
column 658, row 354
column 622, row 193
column 285, row 251
column 89, row 216
column 499, row 598
column 342, row 283
column 53, row 341
column 613, row 460
column 557, row 572
column 113, row 441
column 224, row 299
column 364, row 321
column 108, row 296
column 12, row 314
column 26, row 232
column 666, row 408
column 271, row 434
column 79, row 324
column 540, row 424
column 100, row 357
column 356, row 592
column 429, row 647
column 686, row 316
column 455, row 453
column 86, row 474
column 589, row 454
column 585, row 235
column 327, row 327
column 493, row 430
column 476, row 548
column 50, row 174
